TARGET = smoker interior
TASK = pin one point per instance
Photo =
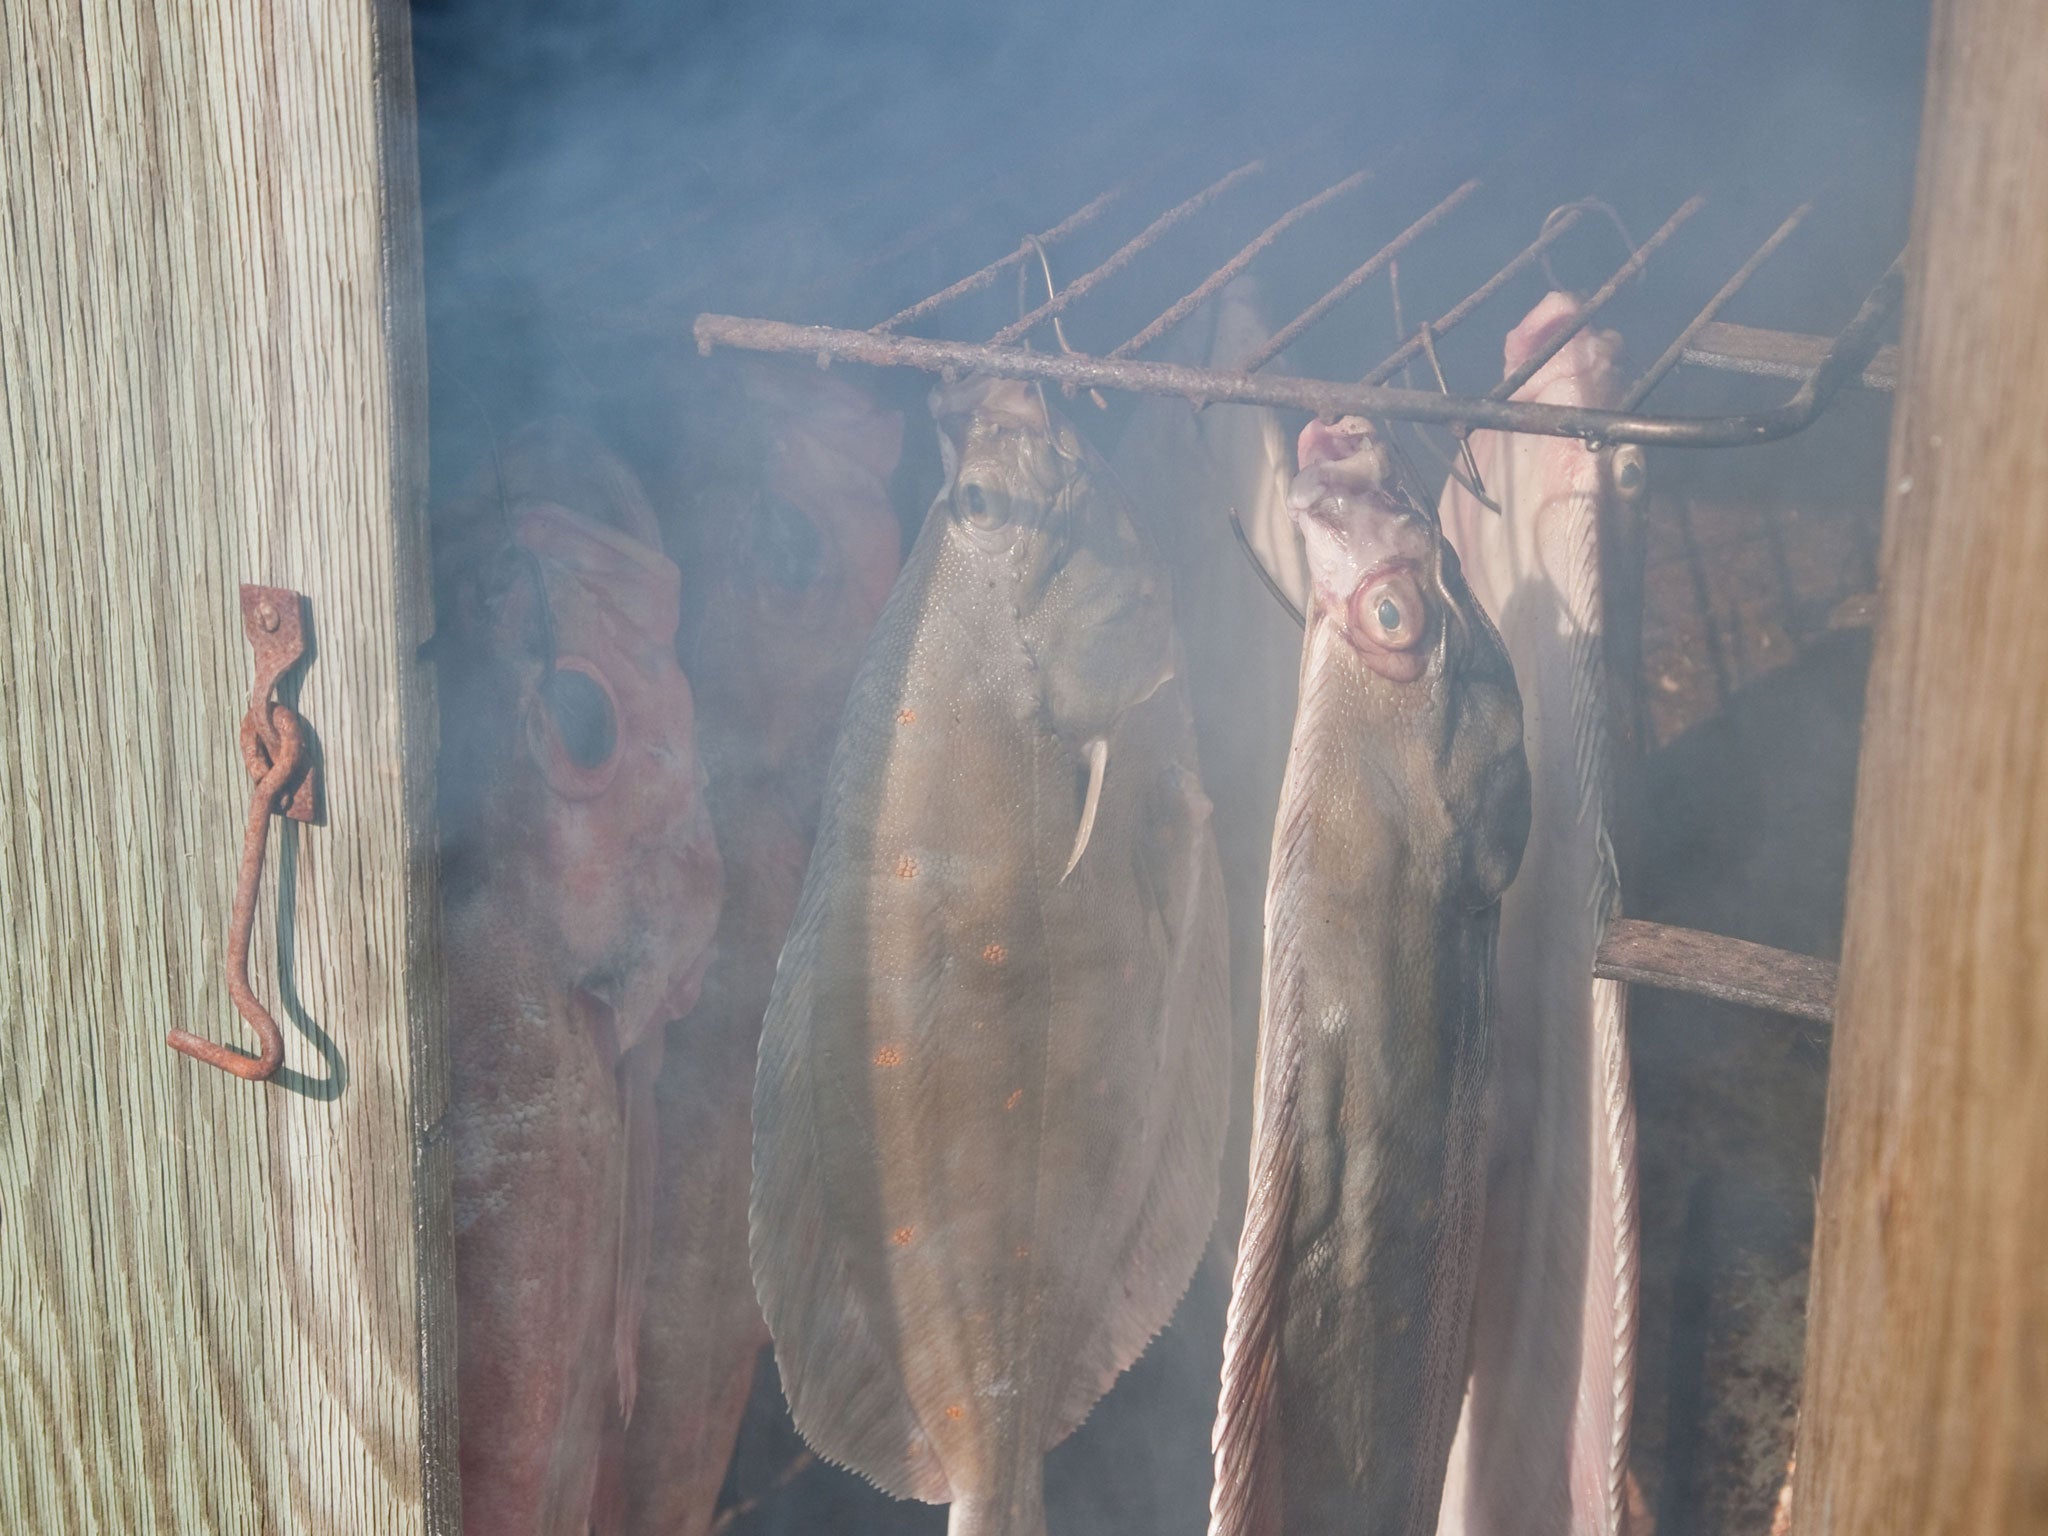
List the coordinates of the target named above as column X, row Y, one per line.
column 592, row 184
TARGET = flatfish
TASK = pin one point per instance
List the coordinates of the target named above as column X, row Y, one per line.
column 1401, row 821
column 993, row 1073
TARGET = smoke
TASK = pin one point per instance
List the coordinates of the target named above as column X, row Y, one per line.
column 596, row 175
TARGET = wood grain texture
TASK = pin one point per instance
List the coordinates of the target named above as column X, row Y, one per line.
column 1927, row 1351
column 1733, row 970
column 224, row 1306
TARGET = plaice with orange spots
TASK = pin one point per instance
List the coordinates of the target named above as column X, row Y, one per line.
column 956, row 1262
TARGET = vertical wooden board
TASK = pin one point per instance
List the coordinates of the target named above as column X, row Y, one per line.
column 1926, row 1392
column 224, row 1306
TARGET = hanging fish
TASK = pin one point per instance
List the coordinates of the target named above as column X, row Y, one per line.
column 1401, row 821
column 993, row 1073
column 1543, row 1448
column 581, row 887
column 1189, row 473
column 797, row 568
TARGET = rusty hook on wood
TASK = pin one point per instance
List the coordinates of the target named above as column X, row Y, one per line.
column 275, row 751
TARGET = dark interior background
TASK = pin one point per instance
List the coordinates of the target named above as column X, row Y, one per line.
column 596, row 175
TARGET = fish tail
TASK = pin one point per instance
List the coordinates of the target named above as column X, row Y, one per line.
column 1017, row 1509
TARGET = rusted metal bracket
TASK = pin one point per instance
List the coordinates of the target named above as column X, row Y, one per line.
column 278, row 755
column 1709, row 965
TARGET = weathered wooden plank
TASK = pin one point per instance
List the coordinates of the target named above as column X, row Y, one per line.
column 1927, row 1351
column 224, row 1306
column 1711, row 965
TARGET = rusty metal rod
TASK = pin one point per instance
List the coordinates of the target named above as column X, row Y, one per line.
column 1244, row 258
column 1289, row 333
column 1850, row 352
column 1669, row 360
column 1710, row 965
column 1780, row 354
column 1458, row 313
column 1079, row 218
column 1506, row 388
column 1127, row 252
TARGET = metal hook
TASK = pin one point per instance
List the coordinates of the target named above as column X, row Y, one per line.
column 1058, row 331
column 274, row 750
column 1583, row 205
column 1279, row 593
column 1470, row 480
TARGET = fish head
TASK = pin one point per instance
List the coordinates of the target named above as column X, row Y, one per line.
column 800, row 561
column 1373, row 555
column 573, row 798
column 1382, row 573
column 1029, row 504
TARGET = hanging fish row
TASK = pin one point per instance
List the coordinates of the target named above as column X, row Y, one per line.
column 991, row 1107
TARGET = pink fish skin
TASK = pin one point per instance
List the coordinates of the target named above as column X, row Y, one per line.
column 1543, row 1446
column 581, row 889
column 796, row 575
column 1401, row 820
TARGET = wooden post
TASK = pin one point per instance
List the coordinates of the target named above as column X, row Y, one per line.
column 1926, row 1400
column 224, row 1305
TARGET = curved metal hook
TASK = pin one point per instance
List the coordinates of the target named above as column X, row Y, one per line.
column 274, row 750
column 1582, row 205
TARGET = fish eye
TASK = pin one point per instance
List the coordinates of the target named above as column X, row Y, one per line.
column 981, row 508
column 1629, row 470
column 1389, row 612
column 582, row 716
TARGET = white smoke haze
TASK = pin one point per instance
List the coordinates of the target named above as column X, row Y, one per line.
column 597, row 175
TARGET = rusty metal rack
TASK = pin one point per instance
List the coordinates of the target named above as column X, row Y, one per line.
column 1822, row 366
column 1632, row 951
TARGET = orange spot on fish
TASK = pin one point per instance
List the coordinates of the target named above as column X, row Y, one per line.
column 906, row 868
column 902, row 1235
column 906, row 717
column 888, row 1056
column 994, row 954
column 955, row 1411
column 1023, row 1252
column 1013, row 1100
column 1130, row 971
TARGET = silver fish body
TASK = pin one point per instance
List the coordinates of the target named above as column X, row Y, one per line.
column 1543, row 1448
column 992, row 1080
column 1401, row 820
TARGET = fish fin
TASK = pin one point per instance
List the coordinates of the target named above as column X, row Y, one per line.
column 636, row 1215
column 1244, row 1499
column 1617, row 1243
column 1098, row 765
column 1171, row 1225
column 841, row 1372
